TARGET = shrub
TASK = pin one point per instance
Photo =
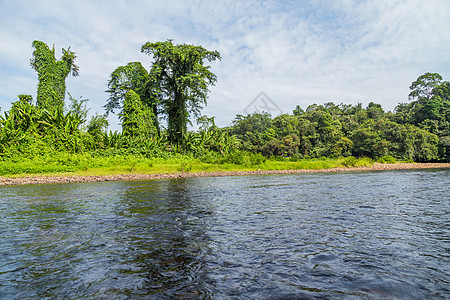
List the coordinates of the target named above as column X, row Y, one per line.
column 387, row 159
column 352, row 161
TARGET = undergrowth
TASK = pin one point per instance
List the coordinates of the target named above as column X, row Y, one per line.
column 97, row 164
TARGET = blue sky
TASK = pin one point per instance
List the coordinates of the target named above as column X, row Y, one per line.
column 296, row 52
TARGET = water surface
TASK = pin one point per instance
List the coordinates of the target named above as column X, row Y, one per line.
column 368, row 235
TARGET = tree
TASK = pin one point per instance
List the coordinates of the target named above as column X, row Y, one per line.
column 132, row 77
column 444, row 148
column 97, row 125
column 422, row 88
column 206, row 123
column 123, row 79
column 182, row 80
column 52, row 74
column 298, row 111
column 374, row 111
column 137, row 118
column 438, row 108
column 431, row 110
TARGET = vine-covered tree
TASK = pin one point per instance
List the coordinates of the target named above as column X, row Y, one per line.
column 132, row 77
column 52, row 74
column 182, row 80
column 137, row 118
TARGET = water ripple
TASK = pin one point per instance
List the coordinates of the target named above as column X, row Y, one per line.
column 379, row 235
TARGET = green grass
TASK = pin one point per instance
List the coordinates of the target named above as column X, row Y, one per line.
column 86, row 164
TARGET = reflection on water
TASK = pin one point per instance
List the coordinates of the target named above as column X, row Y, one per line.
column 354, row 235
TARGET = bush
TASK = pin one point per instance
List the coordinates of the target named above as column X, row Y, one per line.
column 349, row 161
column 352, row 161
column 257, row 159
column 237, row 158
column 244, row 158
column 387, row 159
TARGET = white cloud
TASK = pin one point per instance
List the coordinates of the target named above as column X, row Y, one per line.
column 297, row 52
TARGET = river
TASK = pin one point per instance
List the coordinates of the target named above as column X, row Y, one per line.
column 354, row 235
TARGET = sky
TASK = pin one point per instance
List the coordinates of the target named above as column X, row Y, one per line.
column 275, row 54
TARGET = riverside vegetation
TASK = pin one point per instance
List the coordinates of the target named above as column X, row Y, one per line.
column 54, row 135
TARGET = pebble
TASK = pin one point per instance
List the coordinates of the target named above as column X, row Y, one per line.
column 68, row 179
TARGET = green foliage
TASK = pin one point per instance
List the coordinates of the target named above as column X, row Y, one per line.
column 253, row 130
column 429, row 110
column 298, row 111
column 216, row 140
column 352, row 161
column 422, row 88
column 388, row 159
column 97, row 125
column 206, row 123
column 237, row 157
column 78, row 107
column 335, row 130
column 176, row 86
column 444, row 148
column 52, row 74
column 27, row 130
column 343, row 147
column 132, row 77
column 182, row 80
column 244, row 158
column 374, row 111
column 137, row 119
column 25, row 98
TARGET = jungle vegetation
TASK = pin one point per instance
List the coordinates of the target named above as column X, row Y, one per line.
column 55, row 132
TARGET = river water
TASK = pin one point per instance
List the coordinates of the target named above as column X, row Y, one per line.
column 366, row 235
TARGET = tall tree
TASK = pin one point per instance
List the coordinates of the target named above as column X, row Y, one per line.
column 422, row 88
column 182, row 80
column 132, row 77
column 52, row 74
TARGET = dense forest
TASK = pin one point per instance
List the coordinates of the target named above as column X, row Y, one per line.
column 175, row 88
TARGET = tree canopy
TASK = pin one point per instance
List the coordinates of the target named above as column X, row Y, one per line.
column 422, row 88
column 132, row 77
column 182, row 80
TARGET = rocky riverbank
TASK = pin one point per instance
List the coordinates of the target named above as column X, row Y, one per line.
column 67, row 178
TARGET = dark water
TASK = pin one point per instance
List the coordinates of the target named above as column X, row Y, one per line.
column 379, row 235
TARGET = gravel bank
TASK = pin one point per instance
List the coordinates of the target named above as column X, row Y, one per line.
column 43, row 179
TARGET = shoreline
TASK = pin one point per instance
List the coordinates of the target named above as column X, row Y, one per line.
column 67, row 178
